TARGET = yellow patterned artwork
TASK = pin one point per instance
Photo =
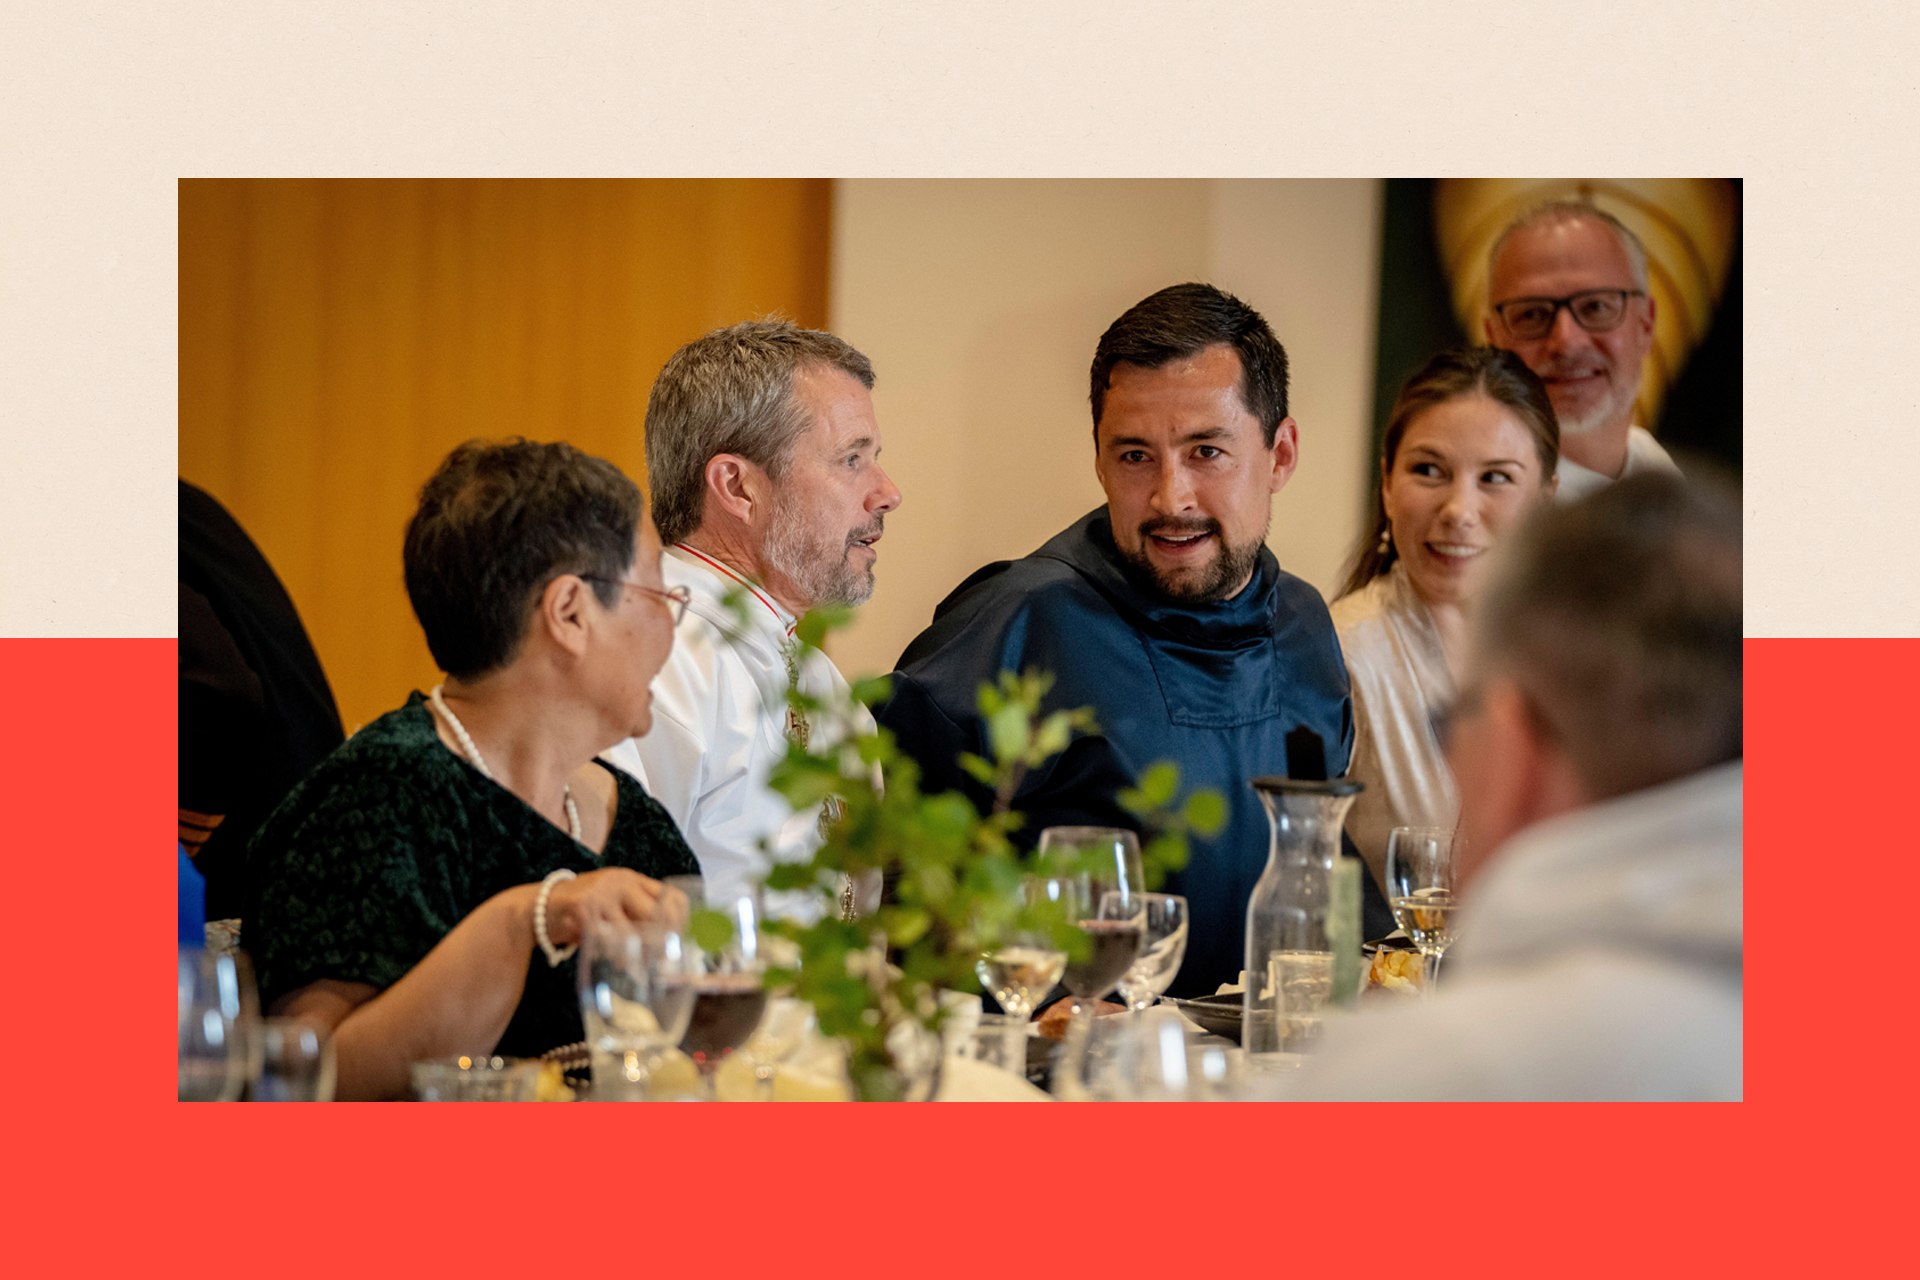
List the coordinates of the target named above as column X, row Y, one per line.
column 1688, row 226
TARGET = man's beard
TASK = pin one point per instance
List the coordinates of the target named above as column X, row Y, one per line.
column 1605, row 411
column 1218, row 579
column 817, row 563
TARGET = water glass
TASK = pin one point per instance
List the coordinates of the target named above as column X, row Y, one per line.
column 636, row 998
column 295, row 1062
column 470, row 1079
column 1000, row 1041
column 1164, row 945
column 1150, row 1057
column 219, row 1009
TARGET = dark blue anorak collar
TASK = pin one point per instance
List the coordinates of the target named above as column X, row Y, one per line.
column 1087, row 547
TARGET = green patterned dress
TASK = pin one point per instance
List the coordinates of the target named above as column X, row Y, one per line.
column 393, row 839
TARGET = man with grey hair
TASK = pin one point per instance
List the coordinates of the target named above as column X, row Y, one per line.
column 1597, row 743
column 1567, row 291
column 762, row 457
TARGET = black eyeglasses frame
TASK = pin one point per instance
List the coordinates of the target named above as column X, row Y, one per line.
column 1500, row 309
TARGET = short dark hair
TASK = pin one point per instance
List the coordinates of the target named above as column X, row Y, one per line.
column 497, row 522
column 1619, row 615
column 731, row 391
column 1183, row 320
column 1501, row 377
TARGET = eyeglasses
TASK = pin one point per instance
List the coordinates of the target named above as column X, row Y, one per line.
column 1595, row 310
column 677, row 598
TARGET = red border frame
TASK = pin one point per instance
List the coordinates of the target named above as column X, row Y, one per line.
column 111, row 1175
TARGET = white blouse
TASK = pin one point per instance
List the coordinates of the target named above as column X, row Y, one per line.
column 1399, row 672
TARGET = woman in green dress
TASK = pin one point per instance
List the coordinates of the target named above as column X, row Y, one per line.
column 422, row 890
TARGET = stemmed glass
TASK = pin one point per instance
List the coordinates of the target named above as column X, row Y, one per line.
column 730, row 995
column 786, row 1023
column 1113, row 928
column 1149, row 1058
column 1108, row 856
column 1098, row 863
column 296, row 1062
column 1020, row 971
column 1163, row 946
column 1420, row 889
column 636, row 998
column 219, row 1014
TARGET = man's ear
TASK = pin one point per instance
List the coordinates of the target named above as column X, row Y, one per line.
column 1546, row 781
column 562, row 613
column 1285, row 454
column 734, row 485
column 1510, row 767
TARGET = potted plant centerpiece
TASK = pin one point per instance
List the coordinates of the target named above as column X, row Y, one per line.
column 953, row 874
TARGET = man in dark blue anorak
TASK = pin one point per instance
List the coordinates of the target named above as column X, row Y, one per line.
column 1164, row 611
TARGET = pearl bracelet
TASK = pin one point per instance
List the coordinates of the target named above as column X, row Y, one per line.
column 555, row 955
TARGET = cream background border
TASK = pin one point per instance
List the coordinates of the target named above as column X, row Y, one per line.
column 104, row 110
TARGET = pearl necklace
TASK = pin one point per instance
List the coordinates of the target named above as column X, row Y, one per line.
column 473, row 754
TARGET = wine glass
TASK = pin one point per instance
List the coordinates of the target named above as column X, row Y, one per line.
column 1163, row 946
column 786, row 1023
column 1021, row 970
column 730, row 997
column 1113, row 927
column 1420, row 862
column 296, row 1062
column 636, row 998
column 1108, row 856
column 219, row 1009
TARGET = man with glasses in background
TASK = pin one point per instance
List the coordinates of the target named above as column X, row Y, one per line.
column 1567, row 286
column 762, row 458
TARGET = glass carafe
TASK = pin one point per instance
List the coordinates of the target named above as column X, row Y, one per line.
column 1290, row 958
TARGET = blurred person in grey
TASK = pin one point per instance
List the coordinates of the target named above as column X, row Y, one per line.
column 763, row 461
column 1597, row 745
column 1567, row 293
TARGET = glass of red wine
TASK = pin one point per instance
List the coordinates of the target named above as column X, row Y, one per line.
column 1113, row 928
column 730, row 996
column 1106, row 861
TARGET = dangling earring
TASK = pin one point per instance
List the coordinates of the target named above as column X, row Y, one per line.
column 1386, row 540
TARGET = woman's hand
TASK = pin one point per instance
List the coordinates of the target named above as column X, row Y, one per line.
column 460, row 997
column 612, row 895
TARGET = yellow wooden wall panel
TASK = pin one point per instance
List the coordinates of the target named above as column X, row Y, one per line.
column 338, row 337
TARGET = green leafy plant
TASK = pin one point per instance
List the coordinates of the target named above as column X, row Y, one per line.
column 953, row 874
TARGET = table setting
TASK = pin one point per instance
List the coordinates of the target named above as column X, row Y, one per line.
column 696, row 1007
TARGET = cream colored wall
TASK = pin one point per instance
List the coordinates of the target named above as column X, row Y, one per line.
column 980, row 303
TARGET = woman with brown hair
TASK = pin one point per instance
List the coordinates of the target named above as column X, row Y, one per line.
column 422, row 890
column 1470, row 449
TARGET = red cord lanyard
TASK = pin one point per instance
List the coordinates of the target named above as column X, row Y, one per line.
column 708, row 560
